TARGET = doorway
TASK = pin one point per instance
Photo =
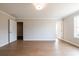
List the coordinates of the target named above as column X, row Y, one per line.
column 19, row 30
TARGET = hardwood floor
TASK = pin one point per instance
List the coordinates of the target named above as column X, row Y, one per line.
column 39, row 48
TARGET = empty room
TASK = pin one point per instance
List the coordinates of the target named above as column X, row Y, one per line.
column 39, row 29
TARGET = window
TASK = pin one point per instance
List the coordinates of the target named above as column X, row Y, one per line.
column 76, row 26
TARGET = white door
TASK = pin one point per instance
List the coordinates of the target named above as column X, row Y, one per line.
column 59, row 29
column 12, row 31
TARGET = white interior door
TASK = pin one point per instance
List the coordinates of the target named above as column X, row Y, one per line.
column 59, row 29
column 12, row 30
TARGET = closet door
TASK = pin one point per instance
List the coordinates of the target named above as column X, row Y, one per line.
column 12, row 31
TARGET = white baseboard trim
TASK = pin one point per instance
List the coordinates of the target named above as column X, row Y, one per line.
column 3, row 44
column 39, row 39
column 70, row 42
column 12, row 41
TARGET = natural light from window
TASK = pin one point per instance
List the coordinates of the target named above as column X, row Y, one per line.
column 76, row 26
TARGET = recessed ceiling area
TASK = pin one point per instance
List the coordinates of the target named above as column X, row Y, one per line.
column 28, row 11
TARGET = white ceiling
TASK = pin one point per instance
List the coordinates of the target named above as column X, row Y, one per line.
column 27, row 10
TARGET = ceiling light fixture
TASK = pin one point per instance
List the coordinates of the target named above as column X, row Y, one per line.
column 39, row 6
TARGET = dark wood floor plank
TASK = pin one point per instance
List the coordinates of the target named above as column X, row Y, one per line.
column 39, row 48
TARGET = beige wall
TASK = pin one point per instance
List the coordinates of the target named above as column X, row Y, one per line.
column 39, row 29
column 69, row 29
column 4, row 17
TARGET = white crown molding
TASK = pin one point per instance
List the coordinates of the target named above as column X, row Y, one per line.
column 41, row 19
column 6, row 14
column 36, row 18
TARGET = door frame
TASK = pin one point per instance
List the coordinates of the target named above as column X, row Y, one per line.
column 9, row 31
